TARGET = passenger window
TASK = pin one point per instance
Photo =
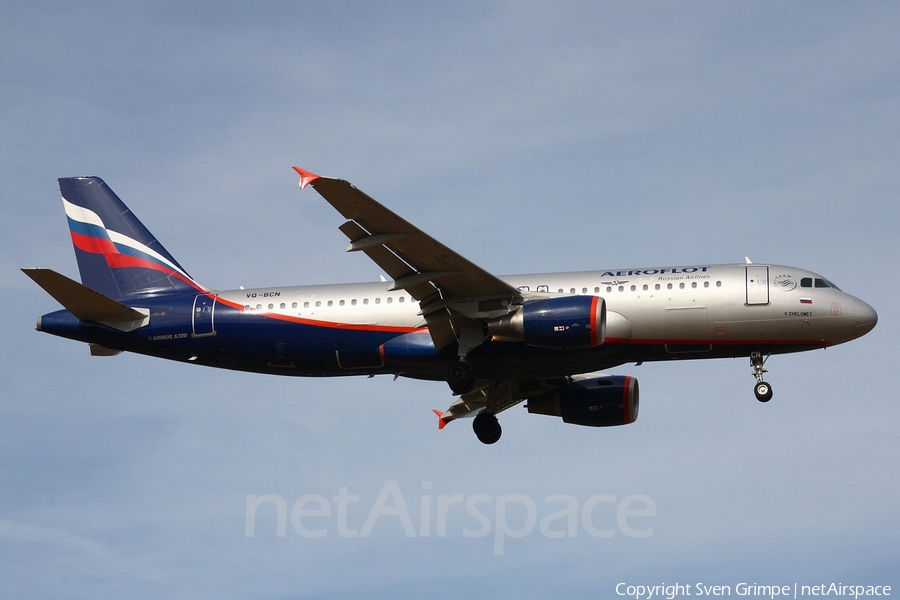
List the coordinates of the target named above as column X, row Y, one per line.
column 669, row 286
column 656, row 286
column 389, row 300
column 402, row 298
column 681, row 286
column 259, row 307
column 646, row 287
column 293, row 305
column 718, row 284
column 706, row 284
column 694, row 284
column 318, row 303
column 572, row 291
column 342, row 302
column 365, row 300
column 377, row 300
column 281, row 305
column 633, row 288
column 246, row 307
column 621, row 288
column 353, row 302
column 596, row 290
column 584, row 290
column 608, row 289
column 271, row 306
column 331, row 303
column 306, row 305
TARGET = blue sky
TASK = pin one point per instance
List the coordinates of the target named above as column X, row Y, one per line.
column 527, row 136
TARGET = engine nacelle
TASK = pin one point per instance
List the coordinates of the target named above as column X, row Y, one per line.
column 564, row 323
column 596, row 401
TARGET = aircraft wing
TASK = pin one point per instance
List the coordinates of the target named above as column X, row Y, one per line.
column 454, row 294
column 496, row 396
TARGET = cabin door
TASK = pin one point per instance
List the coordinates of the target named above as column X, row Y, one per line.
column 757, row 285
column 202, row 317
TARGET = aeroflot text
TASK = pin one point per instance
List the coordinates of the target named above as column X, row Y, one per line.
column 507, row 516
column 672, row 591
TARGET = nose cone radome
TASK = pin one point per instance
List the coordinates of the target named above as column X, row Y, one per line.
column 865, row 317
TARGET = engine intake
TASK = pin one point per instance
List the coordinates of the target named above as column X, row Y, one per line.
column 564, row 323
column 603, row 401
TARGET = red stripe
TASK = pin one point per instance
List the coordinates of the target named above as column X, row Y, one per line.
column 651, row 342
column 94, row 245
column 594, row 326
column 336, row 325
column 124, row 261
column 116, row 260
column 314, row 323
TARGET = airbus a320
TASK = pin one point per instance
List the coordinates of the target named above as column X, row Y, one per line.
column 497, row 341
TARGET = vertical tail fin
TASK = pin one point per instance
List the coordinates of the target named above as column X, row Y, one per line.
column 117, row 255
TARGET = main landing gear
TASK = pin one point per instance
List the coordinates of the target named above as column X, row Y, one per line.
column 487, row 427
column 762, row 389
column 460, row 378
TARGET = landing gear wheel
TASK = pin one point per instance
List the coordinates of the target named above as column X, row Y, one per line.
column 487, row 428
column 763, row 391
column 460, row 378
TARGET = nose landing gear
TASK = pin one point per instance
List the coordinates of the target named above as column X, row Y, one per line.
column 762, row 389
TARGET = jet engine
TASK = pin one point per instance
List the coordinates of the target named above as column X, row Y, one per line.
column 564, row 323
column 602, row 401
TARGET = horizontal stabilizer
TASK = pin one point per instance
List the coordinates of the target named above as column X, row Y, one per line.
column 82, row 301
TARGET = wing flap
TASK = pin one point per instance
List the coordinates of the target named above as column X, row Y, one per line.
column 497, row 396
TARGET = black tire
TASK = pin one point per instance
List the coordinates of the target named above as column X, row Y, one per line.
column 487, row 428
column 763, row 391
column 460, row 378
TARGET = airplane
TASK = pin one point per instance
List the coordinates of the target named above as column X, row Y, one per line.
column 543, row 339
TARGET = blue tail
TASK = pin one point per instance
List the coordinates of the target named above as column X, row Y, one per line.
column 117, row 255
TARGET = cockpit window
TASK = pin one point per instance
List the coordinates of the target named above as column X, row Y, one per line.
column 824, row 283
column 818, row 282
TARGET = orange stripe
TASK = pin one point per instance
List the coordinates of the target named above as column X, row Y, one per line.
column 650, row 342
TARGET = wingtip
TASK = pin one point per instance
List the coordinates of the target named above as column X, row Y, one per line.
column 440, row 415
column 306, row 177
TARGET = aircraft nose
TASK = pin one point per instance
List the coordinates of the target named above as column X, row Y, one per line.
column 865, row 317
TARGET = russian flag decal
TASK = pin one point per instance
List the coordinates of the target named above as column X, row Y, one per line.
column 805, row 300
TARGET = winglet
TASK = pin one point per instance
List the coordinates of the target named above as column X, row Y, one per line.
column 306, row 177
column 440, row 416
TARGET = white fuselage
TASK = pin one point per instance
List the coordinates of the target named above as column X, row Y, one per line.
column 671, row 305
